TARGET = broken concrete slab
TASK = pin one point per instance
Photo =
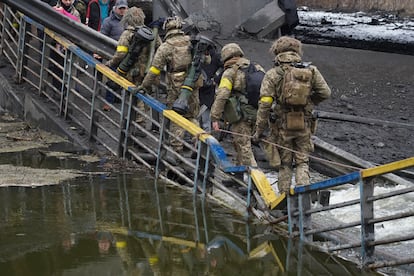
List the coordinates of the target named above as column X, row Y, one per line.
column 265, row 20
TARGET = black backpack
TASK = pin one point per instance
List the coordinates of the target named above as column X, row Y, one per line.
column 254, row 79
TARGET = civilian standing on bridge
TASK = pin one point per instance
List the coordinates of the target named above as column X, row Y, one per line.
column 211, row 76
column 113, row 28
column 111, row 25
column 66, row 8
column 97, row 11
column 296, row 88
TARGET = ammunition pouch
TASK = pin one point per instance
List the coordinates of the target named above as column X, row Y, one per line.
column 232, row 112
column 249, row 113
column 295, row 120
column 313, row 124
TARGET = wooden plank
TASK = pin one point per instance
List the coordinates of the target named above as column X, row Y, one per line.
column 342, row 157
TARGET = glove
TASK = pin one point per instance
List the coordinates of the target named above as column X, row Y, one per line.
column 141, row 89
column 257, row 136
column 134, row 72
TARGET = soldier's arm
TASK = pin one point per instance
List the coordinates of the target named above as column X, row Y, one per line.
column 223, row 93
column 267, row 97
column 158, row 63
column 320, row 89
column 121, row 50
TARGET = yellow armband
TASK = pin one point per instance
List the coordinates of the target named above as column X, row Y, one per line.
column 266, row 99
column 122, row 49
column 155, row 70
column 226, row 83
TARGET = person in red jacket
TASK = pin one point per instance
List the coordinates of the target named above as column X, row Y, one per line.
column 97, row 11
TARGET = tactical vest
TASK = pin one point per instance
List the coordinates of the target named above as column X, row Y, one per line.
column 181, row 54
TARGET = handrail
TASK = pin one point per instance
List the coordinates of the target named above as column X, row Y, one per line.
column 301, row 211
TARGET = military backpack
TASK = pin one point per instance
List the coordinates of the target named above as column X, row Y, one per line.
column 254, row 79
column 297, row 85
column 295, row 95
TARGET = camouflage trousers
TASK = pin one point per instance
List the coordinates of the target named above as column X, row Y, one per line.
column 193, row 108
column 242, row 143
column 140, row 119
column 300, row 142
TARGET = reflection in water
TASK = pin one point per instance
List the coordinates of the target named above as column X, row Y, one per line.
column 125, row 226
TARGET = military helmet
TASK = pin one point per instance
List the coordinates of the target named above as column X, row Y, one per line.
column 231, row 50
column 133, row 17
column 286, row 44
column 173, row 25
column 173, row 22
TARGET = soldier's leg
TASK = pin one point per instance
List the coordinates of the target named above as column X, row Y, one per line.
column 242, row 144
column 286, row 159
column 177, row 133
column 304, row 147
column 141, row 118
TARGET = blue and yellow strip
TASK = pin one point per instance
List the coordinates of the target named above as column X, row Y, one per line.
column 355, row 176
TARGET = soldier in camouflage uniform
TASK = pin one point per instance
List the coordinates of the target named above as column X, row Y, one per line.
column 233, row 82
column 175, row 53
column 133, row 18
column 289, row 51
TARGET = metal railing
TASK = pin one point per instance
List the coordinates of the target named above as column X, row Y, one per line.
column 301, row 210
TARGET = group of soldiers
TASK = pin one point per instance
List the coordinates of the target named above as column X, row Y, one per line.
column 174, row 56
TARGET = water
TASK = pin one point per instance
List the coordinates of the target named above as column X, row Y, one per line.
column 123, row 225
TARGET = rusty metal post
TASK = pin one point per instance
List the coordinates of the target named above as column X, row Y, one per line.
column 21, row 60
column 93, row 128
column 304, row 203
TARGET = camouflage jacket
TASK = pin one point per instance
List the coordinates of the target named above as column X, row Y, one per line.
column 233, row 81
column 272, row 87
column 175, row 55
